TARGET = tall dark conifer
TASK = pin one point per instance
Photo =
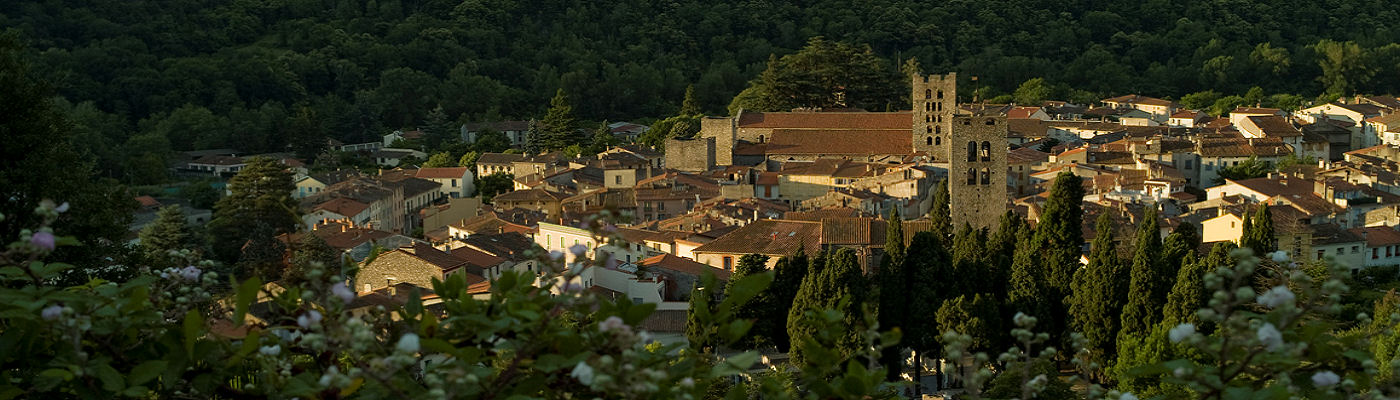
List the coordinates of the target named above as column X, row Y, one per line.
column 940, row 215
column 1147, row 290
column 893, row 290
column 754, row 309
column 1100, row 290
column 1259, row 232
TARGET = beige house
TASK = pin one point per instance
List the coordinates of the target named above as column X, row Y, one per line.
column 1159, row 109
column 455, row 182
column 493, row 163
column 417, row 265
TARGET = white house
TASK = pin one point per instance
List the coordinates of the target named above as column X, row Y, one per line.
column 390, row 157
column 218, row 165
column 456, row 181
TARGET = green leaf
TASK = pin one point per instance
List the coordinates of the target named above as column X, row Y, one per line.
column 194, row 326
column 8, row 392
column 247, row 294
column 146, row 371
column 111, row 379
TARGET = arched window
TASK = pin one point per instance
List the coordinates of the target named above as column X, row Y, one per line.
column 760, row 138
column 939, row 107
column 971, row 176
column 930, row 129
column 928, row 118
column 986, row 151
column 938, row 141
column 986, row 176
column 940, row 94
column 928, row 93
column 972, row 151
column 928, row 141
column 991, row 121
column 938, row 130
column 928, row 106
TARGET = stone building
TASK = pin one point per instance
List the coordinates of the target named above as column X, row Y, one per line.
column 977, row 172
column 934, row 98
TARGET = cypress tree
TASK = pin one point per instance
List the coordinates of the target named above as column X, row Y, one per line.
column 778, row 298
column 1059, row 233
column 1026, row 290
column 754, row 309
column 927, row 267
column 977, row 316
column 1100, row 290
column 893, row 290
column 1259, row 232
column 808, row 298
column 260, row 196
column 700, row 334
column 168, row 232
column 1188, row 293
column 969, row 262
column 940, row 215
column 1146, row 292
column 688, row 105
column 1000, row 248
column 1175, row 250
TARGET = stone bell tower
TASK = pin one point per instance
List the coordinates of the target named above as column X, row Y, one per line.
column 934, row 99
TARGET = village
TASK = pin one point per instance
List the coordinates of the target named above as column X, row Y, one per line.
column 776, row 183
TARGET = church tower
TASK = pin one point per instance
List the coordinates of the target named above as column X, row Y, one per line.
column 935, row 100
column 977, row 170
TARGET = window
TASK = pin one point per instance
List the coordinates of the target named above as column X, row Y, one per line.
column 938, row 130
column 1355, row 249
column 1340, row 251
column 546, row 241
column 929, row 129
column 1375, row 253
column 986, row 176
column 454, row 183
column 972, row 151
column 617, row 179
column 760, row 138
column 986, row 151
column 940, row 94
column 937, row 141
column 928, row 141
column 991, row 121
column 728, row 262
column 971, row 176
column 928, row 93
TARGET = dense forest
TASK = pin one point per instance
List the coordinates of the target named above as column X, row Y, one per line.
column 143, row 78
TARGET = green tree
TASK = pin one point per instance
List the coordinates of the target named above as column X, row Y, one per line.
column 893, row 288
column 976, row 315
column 836, row 283
column 1058, row 239
column 1032, row 92
column 790, row 273
column 1224, row 105
column 468, row 160
column 1200, row 100
column 1147, row 291
column 263, row 256
column 1001, row 248
column 603, row 139
column 1148, row 347
column 494, row 184
column 309, row 251
column 1247, row 169
column 970, row 262
column 688, row 105
column 1100, row 291
column 38, row 162
column 259, row 197
column 168, row 232
column 1344, row 66
column 825, row 74
column 439, row 128
column 1259, row 234
column 927, row 264
column 701, row 336
column 560, row 127
column 753, row 310
column 1028, row 290
column 1188, row 293
column 306, row 134
column 940, row 215
column 439, row 160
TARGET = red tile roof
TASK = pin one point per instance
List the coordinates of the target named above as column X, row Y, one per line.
column 1021, row 112
column 769, row 237
column 683, row 265
column 147, row 201
column 477, row 257
column 1275, row 126
column 1377, row 236
column 828, row 120
column 816, row 141
column 441, row 173
column 342, row 206
column 1136, row 99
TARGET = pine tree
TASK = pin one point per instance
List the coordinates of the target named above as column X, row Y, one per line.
column 1148, row 347
column 1146, row 292
column 1175, row 249
column 309, row 250
column 893, row 290
column 941, row 215
column 168, row 232
column 754, row 309
column 439, row 128
column 262, row 256
column 688, row 105
column 559, row 124
column 1100, row 290
column 259, row 196
column 534, row 138
column 1259, row 232
column 603, row 139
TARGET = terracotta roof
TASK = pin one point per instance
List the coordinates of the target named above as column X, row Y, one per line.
column 827, row 120
column 536, row 194
column 1233, row 147
column 816, row 141
column 1021, row 112
column 1385, row 101
column 1363, row 109
column 833, row 167
column 342, row 206
column 1190, row 114
column 441, row 173
column 1333, row 234
column 1377, row 236
column 1256, row 110
column 499, row 158
column 768, row 236
column 429, row 254
column 219, row 160
column 490, row 222
column 348, row 238
column 818, row 215
column 1391, row 121
column 683, row 265
column 1025, row 127
column 1275, row 126
column 767, row 178
column 1136, row 99
column 852, row 231
column 147, row 201
column 477, row 257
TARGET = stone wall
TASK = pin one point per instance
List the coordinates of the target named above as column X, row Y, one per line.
column 401, row 266
column 934, row 99
column 722, row 130
column 977, row 176
column 691, row 155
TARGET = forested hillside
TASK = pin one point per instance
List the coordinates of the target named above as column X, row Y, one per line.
column 143, row 76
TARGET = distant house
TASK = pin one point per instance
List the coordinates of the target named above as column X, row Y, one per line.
column 418, row 265
column 1186, row 119
column 627, row 131
column 515, row 131
column 456, row 182
column 390, row 157
column 1027, row 113
column 316, row 183
column 1382, row 245
column 534, row 199
column 401, row 135
column 770, row 237
column 1386, row 128
column 217, row 165
column 1239, row 114
column 679, row 275
column 339, row 210
column 493, row 163
column 1160, row 110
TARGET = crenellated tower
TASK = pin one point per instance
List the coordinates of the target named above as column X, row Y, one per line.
column 935, row 100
